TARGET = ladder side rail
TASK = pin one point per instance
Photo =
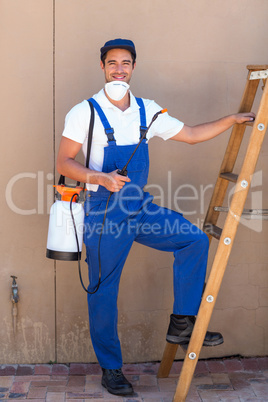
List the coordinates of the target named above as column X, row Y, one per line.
column 167, row 360
column 223, row 250
column 238, row 130
column 231, row 152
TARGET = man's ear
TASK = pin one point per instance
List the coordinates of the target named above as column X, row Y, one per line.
column 102, row 65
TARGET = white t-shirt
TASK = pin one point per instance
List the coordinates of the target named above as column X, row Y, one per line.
column 126, row 126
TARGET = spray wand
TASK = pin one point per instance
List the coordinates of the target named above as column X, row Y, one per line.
column 123, row 172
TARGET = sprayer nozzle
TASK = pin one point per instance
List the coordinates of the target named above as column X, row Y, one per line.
column 163, row 110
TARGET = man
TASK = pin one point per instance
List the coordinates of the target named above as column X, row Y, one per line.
column 131, row 215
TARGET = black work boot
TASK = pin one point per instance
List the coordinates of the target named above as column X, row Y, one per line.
column 115, row 382
column 180, row 331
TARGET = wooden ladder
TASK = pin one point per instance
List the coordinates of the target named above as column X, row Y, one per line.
column 256, row 73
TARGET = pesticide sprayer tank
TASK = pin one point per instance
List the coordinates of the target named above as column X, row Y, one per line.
column 61, row 240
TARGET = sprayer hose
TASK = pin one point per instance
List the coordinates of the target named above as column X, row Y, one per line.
column 77, row 243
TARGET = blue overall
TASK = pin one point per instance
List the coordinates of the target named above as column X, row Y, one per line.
column 132, row 216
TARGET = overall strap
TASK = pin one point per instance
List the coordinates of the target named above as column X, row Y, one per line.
column 109, row 131
column 143, row 126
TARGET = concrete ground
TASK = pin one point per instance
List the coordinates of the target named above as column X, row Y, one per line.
column 230, row 379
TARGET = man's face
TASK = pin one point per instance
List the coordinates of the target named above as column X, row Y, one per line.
column 118, row 66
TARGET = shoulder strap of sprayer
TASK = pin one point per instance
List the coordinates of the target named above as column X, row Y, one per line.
column 90, row 132
column 106, row 125
column 89, row 141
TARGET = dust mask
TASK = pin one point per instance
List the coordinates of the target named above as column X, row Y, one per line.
column 116, row 90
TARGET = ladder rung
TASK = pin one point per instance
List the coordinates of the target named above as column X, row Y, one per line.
column 248, row 213
column 249, row 123
column 212, row 230
column 229, row 176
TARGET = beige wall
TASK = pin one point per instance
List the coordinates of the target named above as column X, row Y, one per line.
column 192, row 58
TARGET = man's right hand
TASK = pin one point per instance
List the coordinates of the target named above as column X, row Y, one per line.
column 69, row 167
column 113, row 181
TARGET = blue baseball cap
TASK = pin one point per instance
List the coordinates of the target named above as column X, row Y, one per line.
column 119, row 44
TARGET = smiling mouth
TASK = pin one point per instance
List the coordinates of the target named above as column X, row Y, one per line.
column 119, row 77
